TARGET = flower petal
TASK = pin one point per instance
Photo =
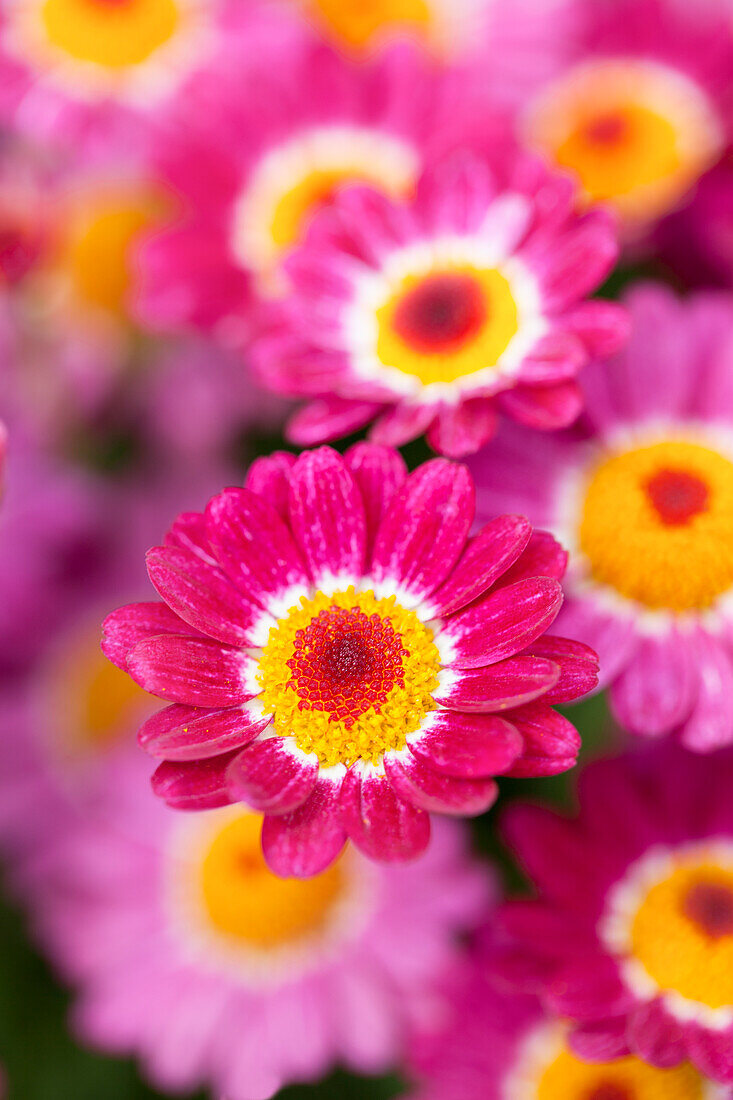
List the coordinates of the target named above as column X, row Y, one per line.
column 551, row 742
column 487, row 556
column 379, row 472
column 460, row 430
column 269, row 477
column 189, row 532
column 423, row 534
column 327, row 515
column 125, row 627
column 272, row 776
column 544, row 407
column 190, row 670
column 416, row 782
column 655, row 1037
column 508, row 684
column 710, row 725
column 401, row 424
column 501, row 624
column 329, row 418
column 467, row 746
column 543, row 557
column 656, row 690
column 578, row 667
column 303, row 843
column 193, row 786
column 254, row 546
column 192, row 733
column 202, row 595
column 381, row 825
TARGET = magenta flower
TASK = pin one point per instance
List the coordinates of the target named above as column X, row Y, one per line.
column 186, row 952
column 342, row 657
column 637, row 106
column 492, row 1044
column 439, row 315
column 631, row 935
column 645, row 505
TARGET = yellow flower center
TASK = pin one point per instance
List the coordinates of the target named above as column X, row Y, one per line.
column 248, row 903
column 98, row 253
column 349, row 676
column 635, row 133
column 447, row 324
column 298, row 178
column 567, row 1078
column 356, row 23
column 114, row 34
column 657, row 525
column 682, row 933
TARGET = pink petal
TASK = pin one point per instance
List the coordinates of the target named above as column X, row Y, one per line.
column 192, row 733
column 656, row 691
column 578, row 667
column 424, row 533
column 712, row 1053
column 303, row 843
column 655, row 1037
column 272, row 776
column 254, row 546
column 589, row 988
column 487, row 556
column 381, row 825
column 401, row 424
column 189, row 533
column 710, row 725
column 269, row 477
column 463, row 429
column 543, row 557
column 202, row 595
column 501, row 624
column 379, row 472
column 578, row 261
column 543, row 407
column 193, row 786
column 508, row 684
column 603, row 1041
column 604, row 327
column 125, row 627
column 454, row 194
column 190, row 670
column 551, row 742
column 327, row 515
column 416, row 782
column 329, row 418
column 467, row 746
column 557, row 357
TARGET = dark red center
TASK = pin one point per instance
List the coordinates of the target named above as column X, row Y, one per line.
column 346, row 661
column 606, row 130
column 610, row 1090
column 441, row 312
column 710, row 906
column 19, row 251
column 677, row 496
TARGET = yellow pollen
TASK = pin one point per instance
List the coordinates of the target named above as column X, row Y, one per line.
column 113, row 34
column 349, row 676
column 484, row 323
column 567, row 1078
column 638, row 542
column 357, row 23
column 247, row 902
column 98, row 253
column 636, row 134
column 682, row 933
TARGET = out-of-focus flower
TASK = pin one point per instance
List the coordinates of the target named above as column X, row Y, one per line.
column 340, row 657
column 697, row 240
column 438, row 315
column 189, row 953
column 645, row 506
column 631, row 934
column 494, row 1045
column 268, row 144
column 76, row 71
column 639, row 104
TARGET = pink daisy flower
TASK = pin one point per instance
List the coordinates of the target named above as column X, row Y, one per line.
column 639, row 103
column 279, row 135
column 340, row 655
column 644, row 503
column 489, row 1044
column 631, row 935
column 438, row 315
column 194, row 957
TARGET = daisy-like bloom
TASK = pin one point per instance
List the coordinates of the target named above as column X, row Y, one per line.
column 491, row 1044
column 637, row 108
column 280, row 135
column 630, row 936
column 342, row 657
column 187, row 952
column 440, row 314
column 644, row 504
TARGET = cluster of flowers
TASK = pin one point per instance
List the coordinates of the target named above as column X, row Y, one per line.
column 429, row 219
